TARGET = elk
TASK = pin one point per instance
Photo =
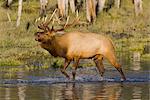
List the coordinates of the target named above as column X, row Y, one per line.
column 73, row 46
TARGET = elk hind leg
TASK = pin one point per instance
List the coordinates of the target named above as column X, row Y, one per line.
column 113, row 61
column 75, row 66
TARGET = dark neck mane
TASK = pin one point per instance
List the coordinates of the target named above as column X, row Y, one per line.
column 50, row 46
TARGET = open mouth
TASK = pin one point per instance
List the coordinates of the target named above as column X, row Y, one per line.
column 36, row 39
column 39, row 40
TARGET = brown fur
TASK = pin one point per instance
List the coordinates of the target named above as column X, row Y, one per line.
column 74, row 46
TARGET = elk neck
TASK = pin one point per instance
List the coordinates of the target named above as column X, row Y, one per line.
column 54, row 47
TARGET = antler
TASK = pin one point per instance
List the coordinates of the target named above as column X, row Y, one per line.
column 48, row 22
column 66, row 25
column 44, row 26
column 72, row 24
column 76, row 20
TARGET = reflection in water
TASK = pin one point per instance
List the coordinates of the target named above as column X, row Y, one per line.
column 70, row 91
column 109, row 92
column 136, row 95
column 136, row 61
column 77, row 91
column 21, row 92
column 21, row 88
column 7, row 95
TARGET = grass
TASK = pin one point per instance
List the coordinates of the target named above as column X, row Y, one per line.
column 17, row 45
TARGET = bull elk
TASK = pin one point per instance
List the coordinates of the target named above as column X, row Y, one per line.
column 73, row 46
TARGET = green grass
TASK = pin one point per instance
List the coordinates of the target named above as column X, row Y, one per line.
column 18, row 47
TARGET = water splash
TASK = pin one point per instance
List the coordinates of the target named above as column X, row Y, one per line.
column 79, row 79
column 84, row 75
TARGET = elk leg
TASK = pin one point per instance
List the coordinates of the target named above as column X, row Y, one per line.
column 99, row 64
column 113, row 61
column 118, row 67
column 75, row 66
column 63, row 70
column 121, row 72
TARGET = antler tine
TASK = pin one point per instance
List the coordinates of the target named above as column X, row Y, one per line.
column 41, row 26
column 66, row 22
column 77, row 13
column 73, row 22
column 57, row 18
column 44, row 25
column 51, row 17
column 67, row 25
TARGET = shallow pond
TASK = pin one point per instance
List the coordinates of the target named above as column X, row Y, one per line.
column 50, row 84
column 76, row 91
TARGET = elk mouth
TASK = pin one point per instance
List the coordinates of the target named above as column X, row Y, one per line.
column 39, row 40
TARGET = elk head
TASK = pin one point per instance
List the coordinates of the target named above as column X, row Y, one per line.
column 45, row 35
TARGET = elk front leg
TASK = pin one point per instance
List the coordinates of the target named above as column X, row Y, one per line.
column 75, row 66
column 63, row 70
column 99, row 64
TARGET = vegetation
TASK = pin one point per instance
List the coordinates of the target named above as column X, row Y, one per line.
column 18, row 47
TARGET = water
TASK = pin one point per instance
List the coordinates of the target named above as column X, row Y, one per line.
column 76, row 91
column 50, row 84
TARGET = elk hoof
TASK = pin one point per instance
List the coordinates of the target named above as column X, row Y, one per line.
column 64, row 72
column 68, row 77
column 123, row 79
column 101, row 78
